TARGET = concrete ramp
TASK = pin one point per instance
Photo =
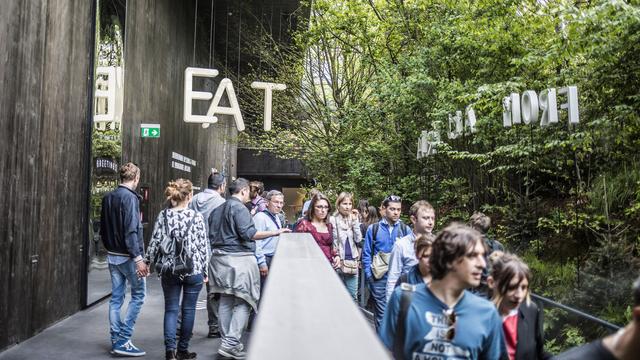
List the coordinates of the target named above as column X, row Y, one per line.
column 307, row 313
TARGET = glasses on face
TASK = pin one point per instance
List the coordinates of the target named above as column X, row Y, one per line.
column 321, row 207
column 450, row 315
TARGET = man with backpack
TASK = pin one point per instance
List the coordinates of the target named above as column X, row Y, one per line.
column 442, row 320
column 234, row 269
column 376, row 250
column 204, row 203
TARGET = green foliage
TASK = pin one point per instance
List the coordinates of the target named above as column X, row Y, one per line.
column 366, row 78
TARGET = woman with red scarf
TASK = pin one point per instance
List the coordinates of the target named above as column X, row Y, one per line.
column 521, row 319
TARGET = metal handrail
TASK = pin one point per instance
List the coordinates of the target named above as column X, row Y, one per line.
column 544, row 300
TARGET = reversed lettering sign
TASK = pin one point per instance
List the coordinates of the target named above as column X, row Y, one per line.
column 526, row 108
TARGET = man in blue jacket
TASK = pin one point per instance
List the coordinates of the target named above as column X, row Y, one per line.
column 379, row 239
column 121, row 232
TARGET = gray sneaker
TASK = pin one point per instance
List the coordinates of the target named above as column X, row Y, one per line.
column 235, row 352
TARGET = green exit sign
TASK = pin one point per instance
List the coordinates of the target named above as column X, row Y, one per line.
column 150, row 130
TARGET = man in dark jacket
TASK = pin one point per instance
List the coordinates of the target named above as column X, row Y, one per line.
column 121, row 232
column 234, row 269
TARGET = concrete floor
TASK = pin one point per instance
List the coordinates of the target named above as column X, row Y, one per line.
column 85, row 335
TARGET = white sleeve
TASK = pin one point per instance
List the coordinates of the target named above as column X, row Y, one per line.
column 395, row 268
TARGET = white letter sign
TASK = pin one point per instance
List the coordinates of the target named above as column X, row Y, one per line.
column 190, row 95
column 234, row 109
column 268, row 97
column 572, row 103
column 549, row 107
column 532, row 104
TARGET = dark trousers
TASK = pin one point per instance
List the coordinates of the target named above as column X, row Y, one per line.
column 173, row 286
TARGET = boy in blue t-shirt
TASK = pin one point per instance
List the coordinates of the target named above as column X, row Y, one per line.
column 443, row 320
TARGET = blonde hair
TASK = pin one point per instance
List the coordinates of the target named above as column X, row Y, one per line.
column 177, row 191
column 504, row 268
column 420, row 204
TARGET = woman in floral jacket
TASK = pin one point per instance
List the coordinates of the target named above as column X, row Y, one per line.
column 179, row 277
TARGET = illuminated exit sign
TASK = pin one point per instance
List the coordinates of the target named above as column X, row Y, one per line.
column 150, row 130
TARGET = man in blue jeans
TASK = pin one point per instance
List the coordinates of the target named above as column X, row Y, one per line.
column 121, row 232
column 380, row 238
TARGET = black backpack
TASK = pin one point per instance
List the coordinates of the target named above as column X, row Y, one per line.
column 174, row 256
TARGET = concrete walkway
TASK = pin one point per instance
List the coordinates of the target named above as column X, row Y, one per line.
column 85, row 335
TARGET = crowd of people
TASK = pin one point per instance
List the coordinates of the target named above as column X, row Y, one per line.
column 454, row 294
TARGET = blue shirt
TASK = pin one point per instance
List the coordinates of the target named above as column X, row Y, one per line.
column 266, row 222
column 478, row 327
column 403, row 257
column 385, row 238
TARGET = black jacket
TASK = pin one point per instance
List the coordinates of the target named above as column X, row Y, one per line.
column 231, row 228
column 120, row 226
column 530, row 344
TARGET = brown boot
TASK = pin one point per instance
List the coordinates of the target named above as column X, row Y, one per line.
column 171, row 355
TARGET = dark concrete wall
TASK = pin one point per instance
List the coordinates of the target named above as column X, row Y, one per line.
column 45, row 67
column 159, row 45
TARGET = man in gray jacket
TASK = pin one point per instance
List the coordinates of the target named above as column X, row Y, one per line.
column 234, row 269
column 204, row 203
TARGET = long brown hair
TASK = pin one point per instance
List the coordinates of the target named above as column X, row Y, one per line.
column 504, row 268
column 312, row 206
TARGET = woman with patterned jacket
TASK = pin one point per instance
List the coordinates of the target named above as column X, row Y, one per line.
column 180, row 251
